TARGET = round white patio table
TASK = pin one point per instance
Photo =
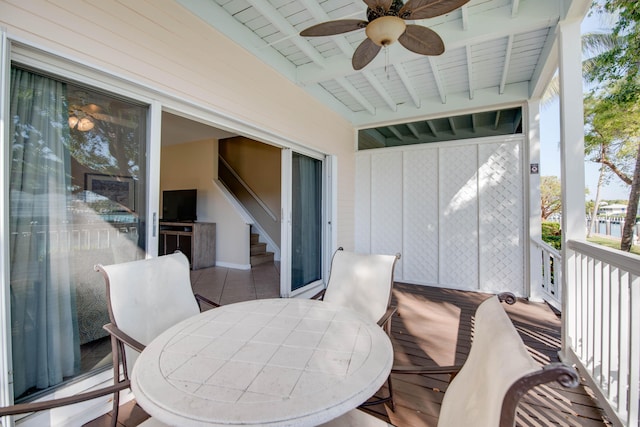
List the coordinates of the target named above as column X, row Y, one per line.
column 272, row 362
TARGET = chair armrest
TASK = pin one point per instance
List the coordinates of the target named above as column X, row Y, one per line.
column 386, row 317
column 205, row 300
column 23, row 408
column 123, row 337
column 429, row 370
column 563, row 374
column 319, row 295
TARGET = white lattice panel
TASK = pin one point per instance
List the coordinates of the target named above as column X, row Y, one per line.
column 501, row 233
column 420, row 251
column 456, row 213
column 458, row 217
column 386, row 205
column 363, row 203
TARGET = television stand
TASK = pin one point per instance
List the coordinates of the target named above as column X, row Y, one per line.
column 197, row 240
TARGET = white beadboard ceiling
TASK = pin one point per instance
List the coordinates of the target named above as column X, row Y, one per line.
column 498, row 53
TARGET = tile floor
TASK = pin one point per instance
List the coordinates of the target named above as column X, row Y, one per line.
column 227, row 285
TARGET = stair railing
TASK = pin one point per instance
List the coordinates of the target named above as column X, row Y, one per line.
column 246, row 186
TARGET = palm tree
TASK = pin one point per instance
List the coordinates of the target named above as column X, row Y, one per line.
column 593, row 46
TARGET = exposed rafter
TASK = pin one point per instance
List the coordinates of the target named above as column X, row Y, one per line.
column 432, row 128
column 283, row 26
column 437, row 79
column 373, row 81
column 396, row 132
column 452, row 125
column 507, row 62
column 465, row 17
column 413, row 90
column 356, row 94
column 414, row 130
column 470, row 70
column 406, row 81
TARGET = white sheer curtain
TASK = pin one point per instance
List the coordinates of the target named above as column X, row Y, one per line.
column 44, row 331
column 306, row 239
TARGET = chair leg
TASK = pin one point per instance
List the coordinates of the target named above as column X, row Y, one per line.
column 393, row 406
column 117, row 350
column 389, row 398
column 116, row 407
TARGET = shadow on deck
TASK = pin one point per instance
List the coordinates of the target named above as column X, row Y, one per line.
column 434, row 328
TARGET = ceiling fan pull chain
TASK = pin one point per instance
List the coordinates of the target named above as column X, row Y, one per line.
column 386, row 61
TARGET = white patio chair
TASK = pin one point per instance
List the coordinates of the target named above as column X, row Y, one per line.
column 363, row 283
column 145, row 297
column 497, row 373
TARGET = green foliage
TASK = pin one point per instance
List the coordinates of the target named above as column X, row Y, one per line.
column 619, row 71
column 622, row 62
column 550, row 195
column 551, row 234
column 612, row 132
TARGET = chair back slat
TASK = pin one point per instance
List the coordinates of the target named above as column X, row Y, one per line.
column 148, row 296
column 362, row 282
column 497, row 359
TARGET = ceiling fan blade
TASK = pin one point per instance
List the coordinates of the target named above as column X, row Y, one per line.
column 334, row 27
column 422, row 40
column 423, row 9
column 364, row 54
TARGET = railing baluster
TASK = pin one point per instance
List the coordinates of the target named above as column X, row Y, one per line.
column 602, row 326
column 634, row 356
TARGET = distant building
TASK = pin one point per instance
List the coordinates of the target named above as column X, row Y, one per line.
column 613, row 210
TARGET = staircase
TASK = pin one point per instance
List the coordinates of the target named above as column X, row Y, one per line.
column 259, row 254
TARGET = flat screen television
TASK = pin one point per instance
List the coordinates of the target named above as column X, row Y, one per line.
column 179, row 205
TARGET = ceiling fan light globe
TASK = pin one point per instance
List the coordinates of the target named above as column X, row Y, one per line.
column 73, row 121
column 85, row 124
column 385, row 30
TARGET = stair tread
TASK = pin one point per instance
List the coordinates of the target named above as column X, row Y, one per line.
column 262, row 258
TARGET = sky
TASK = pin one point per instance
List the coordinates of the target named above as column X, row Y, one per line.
column 550, row 145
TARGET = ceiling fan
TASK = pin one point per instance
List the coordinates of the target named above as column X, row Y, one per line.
column 385, row 24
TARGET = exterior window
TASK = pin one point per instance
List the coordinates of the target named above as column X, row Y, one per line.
column 77, row 198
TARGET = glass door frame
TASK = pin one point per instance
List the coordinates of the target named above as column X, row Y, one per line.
column 327, row 230
column 11, row 50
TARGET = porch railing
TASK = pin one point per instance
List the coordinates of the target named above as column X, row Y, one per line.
column 551, row 274
column 602, row 325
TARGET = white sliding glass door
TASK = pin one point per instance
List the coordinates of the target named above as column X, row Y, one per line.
column 77, row 197
column 303, row 222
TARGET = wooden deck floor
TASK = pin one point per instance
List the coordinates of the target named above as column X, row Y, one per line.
column 433, row 327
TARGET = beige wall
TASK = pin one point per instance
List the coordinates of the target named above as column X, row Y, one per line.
column 195, row 165
column 162, row 46
column 260, row 167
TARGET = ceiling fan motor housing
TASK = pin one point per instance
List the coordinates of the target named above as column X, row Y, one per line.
column 377, row 12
